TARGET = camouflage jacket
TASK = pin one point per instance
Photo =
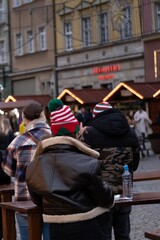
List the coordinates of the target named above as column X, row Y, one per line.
column 110, row 134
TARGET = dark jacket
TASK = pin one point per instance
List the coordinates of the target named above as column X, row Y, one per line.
column 5, row 140
column 110, row 134
column 67, row 181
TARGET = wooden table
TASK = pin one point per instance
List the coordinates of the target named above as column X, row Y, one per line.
column 35, row 215
column 24, row 207
column 146, row 176
column 6, row 192
column 154, row 235
column 140, row 199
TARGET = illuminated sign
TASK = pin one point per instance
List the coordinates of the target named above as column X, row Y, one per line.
column 106, row 72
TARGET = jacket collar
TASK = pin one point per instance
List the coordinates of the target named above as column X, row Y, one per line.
column 69, row 141
column 36, row 123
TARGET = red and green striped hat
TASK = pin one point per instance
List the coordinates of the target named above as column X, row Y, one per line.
column 100, row 107
column 63, row 121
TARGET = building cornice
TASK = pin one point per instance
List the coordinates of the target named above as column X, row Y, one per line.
column 100, row 46
column 102, row 61
column 31, row 71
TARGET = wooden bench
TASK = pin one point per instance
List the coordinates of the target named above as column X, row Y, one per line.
column 6, row 192
column 154, row 235
column 146, row 176
column 140, row 199
column 25, row 207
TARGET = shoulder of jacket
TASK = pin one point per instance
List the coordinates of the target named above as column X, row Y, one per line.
column 69, row 141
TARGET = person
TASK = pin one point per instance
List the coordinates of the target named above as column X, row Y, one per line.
column 19, row 154
column 6, row 136
column 117, row 143
column 83, row 115
column 21, row 126
column 142, row 127
column 130, row 118
column 67, row 183
column 6, row 133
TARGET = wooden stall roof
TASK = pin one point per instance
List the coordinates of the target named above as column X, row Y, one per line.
column 85, row 96
column 41, row 99
column 18, row 104
column 143, row 90
column 157, row 93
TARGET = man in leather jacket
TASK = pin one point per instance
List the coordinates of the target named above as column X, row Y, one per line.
column 110, row 134
column 68, row 183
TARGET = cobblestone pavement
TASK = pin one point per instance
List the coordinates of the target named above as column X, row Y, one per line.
column 145, row 217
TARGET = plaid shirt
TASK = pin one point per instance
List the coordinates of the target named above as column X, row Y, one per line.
column 20, row 152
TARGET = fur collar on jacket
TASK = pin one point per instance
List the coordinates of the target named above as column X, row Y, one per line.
column 67, row 141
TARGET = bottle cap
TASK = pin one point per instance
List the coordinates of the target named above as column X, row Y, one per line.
column 125, row 167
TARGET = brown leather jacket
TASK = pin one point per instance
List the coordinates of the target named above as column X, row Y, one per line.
column 65, row 179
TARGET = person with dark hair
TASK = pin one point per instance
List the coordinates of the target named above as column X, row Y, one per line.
column 84, row 115
column 109, row 133
column 6, row 136
column 19, row 154
column 68, row 184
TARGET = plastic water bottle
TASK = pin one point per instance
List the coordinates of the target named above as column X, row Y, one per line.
column 127, row 183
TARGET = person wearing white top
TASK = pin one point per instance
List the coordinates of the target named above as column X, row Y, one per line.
column 142, row 126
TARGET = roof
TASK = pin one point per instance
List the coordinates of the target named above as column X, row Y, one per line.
column 85, row 96
column 41, row 99
column 142, row 90
column 18, row 104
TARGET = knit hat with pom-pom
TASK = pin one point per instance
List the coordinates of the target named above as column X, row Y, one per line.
column 100, row 107
column 62, row 120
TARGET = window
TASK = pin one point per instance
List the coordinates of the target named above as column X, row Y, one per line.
column 27, row 1
column 157, row 64
column 86, row 31
column 1, row 11
column 68, row 35
column 107, row 86
column 42, row 39
column 87, row 87
column 158, row 16
column 103, row 27
column 16, row 3
column 126, row 23
column 19, row 44
column 2, row 52
column 30, row 42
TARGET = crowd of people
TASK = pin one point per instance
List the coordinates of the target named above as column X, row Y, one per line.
column 72, row 168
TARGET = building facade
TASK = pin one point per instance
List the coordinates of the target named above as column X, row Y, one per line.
column 32, row 47
column 151, row 37
column 98, row 43
column 5, row 86
column 58, row 44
